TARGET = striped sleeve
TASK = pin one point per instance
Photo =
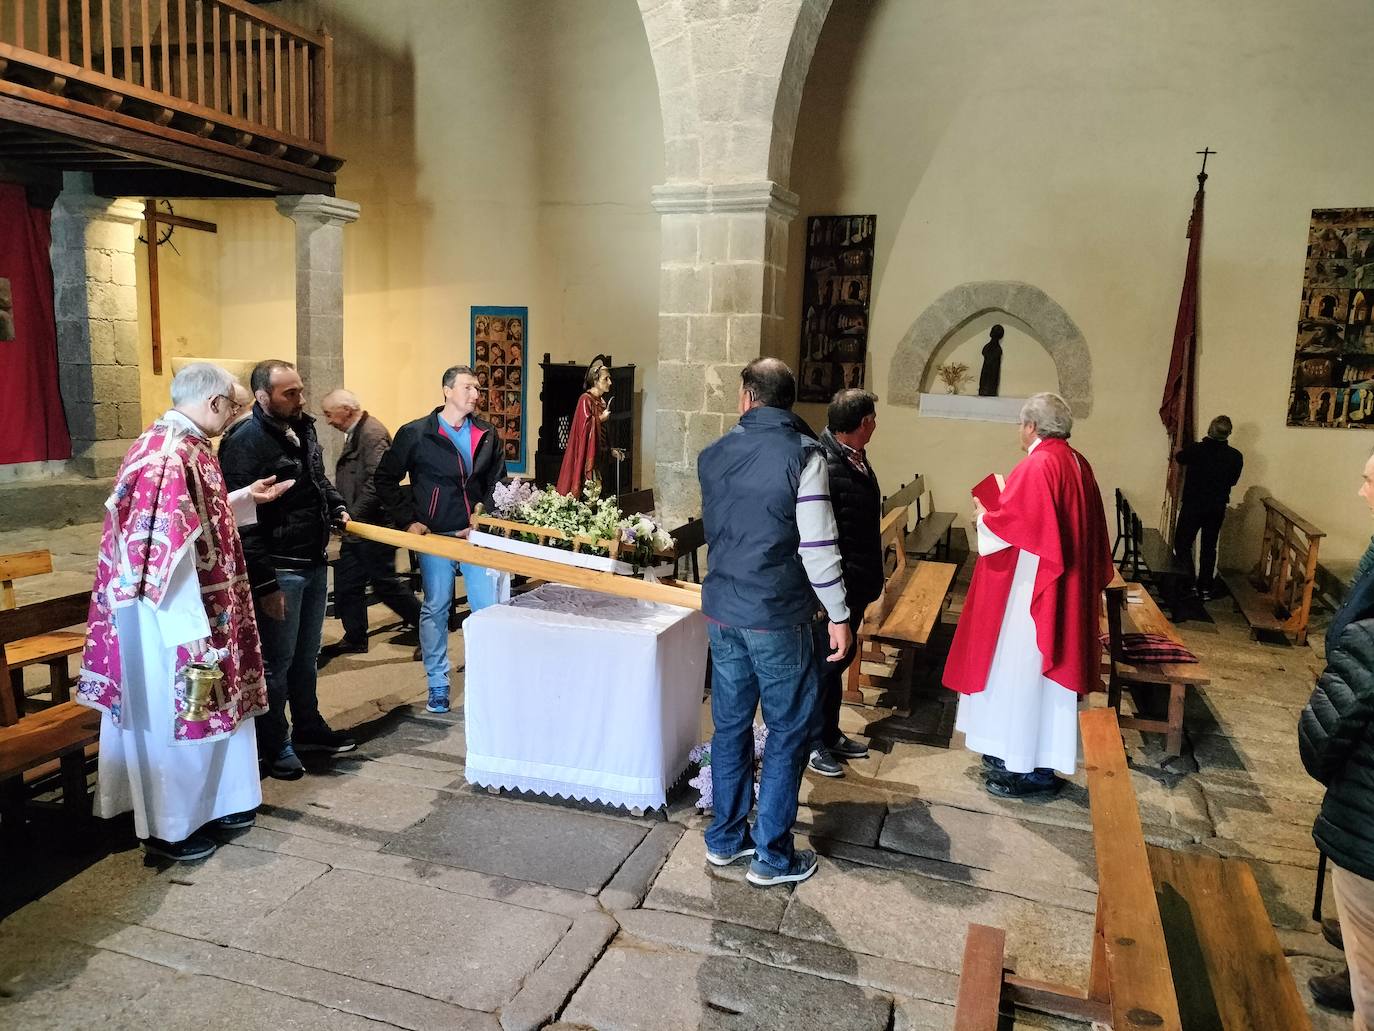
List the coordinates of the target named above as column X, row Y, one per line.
column 820, row 545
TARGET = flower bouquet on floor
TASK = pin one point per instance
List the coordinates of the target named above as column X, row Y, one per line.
column 701, row 755
column 591, row 532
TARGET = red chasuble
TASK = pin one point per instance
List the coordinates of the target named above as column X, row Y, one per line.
column 586, row 442
column 1052, row 508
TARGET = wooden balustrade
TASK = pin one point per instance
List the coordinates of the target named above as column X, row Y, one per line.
column 234, row 65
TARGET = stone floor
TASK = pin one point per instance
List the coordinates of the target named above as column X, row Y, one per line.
column 383, row 891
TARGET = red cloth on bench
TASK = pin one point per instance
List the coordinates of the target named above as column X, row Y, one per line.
column 1156, row 648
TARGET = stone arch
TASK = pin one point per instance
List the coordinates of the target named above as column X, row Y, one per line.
column 1051, row 324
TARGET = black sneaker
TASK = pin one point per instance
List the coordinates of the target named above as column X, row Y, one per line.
column 236, row 821
column 847, row 748
column 1333, row 991
column 764, row 876
column 197, row 846
column 1024, row 785
column 345, row 647
column 322, row 739
column 824, row 763
column 286, row 766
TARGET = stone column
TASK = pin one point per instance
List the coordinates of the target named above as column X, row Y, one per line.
column 319, row 298
column 720, row 306
column 95, row 297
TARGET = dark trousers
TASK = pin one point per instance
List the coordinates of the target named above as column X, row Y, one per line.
column 290, row 649
column 825, row 723
column 360, row 562
column 1193, row 521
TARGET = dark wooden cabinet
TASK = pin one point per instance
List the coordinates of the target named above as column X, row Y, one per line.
column 563, row 385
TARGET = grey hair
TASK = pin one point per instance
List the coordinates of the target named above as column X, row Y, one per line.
column 199, row 382
column 342, row 399
column 1049, row 414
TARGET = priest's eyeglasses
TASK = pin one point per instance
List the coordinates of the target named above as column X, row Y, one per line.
column 234, row 406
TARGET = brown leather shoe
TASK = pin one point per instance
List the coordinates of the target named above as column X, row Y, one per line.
column 1333, row 991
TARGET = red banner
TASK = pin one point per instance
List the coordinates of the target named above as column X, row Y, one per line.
column 1176, row 409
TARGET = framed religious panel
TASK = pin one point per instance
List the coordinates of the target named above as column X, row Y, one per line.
column 835, row 298
column 499, row 354
column 1333, row 367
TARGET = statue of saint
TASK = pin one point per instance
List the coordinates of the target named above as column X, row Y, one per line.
column 991, row 376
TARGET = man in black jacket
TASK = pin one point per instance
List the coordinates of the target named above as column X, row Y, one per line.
column 365, row 442
column 287, row 564
column 454, row 461
column 858, row 504
column 1213, row 468
column 1336, row 741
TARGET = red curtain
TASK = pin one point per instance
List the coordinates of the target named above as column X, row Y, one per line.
column 33, row 427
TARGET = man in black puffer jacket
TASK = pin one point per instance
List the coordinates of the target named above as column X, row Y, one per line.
column 287, row 564
column 858, row 504
column 1336, row 739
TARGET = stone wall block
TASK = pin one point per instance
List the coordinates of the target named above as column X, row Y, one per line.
column 662, row 24
column 319, row 246
column 745, row 338
column 106, row 421
column 703, row 429
column 748, row 237
column 707, row 338
column 682, row 158
column 130, row 419
column 125, row 342
column 681, row 387
column 672, row 337
column 750, row 147
column 678, row 491
column 771, row 342
column 680, row 239
column 114, row 383
column 685, row 290
column 716, row 97
column 715, row 151
column 722, row 388
column 102, row 235
column 70, row 297
column 720, row 46
column 74, row 380
column 73, row 341
column 737, row 288
column 124, row 270
column 99, row 266
column 670, row 433
column 715, row 238
column 102, row 338
column 679, row 113
column 80, row 419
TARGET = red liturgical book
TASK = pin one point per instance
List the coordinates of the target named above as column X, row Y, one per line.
column 989, row 490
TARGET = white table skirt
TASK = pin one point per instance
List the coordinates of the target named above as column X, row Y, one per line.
column 583, row 695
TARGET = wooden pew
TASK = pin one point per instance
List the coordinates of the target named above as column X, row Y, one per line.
column 61, row 732
column 1143, row 616
column 49, row 649
column 1145, row 553
column 906, row 613
column 1181, row 941
column 1277, row 594
column 929, row 531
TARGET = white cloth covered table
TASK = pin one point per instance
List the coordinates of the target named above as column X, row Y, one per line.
column 584, row 695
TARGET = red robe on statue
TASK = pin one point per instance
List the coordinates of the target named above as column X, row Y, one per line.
column 1052, row 508
column 586, row 443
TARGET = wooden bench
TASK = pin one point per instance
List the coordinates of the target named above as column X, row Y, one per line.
column 61, row 732
column 903, row 617
column 1277, row 594
column 1145, row 551
column 930, row 531
column 1182, row 940
column 50, row 649
column 1142, row 615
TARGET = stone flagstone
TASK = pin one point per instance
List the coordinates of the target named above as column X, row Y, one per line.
column 689, row 884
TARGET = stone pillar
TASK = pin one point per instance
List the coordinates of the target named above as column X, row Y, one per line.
column 319, row 299
column 95, row 298
column 720, row 306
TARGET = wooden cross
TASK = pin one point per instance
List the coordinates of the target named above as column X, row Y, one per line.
column 152, row 220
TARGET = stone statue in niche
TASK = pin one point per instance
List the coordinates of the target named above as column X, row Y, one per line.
column 991, row 376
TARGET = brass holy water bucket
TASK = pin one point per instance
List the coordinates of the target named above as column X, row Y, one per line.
column 203, row 681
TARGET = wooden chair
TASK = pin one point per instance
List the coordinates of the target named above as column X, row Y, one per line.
column 636, row 502
column 62, row 732
column 1182, row 940
column 689, row 539
column 1277, row 594
column 46, row 649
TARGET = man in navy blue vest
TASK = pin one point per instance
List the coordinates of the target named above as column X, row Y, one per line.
column 773, row 551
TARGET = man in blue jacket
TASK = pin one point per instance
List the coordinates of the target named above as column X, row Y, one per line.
column 454, row 461
column 773, row 552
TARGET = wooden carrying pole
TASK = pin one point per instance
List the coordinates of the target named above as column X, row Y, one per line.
column 522, row 565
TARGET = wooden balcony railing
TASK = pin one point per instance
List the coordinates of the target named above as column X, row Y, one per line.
column 251, row 77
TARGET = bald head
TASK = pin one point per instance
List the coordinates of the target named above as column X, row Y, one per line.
column 767, row 383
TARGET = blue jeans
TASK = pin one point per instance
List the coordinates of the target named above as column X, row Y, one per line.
column 775, row 668
column 290, row 649
column 437, row 576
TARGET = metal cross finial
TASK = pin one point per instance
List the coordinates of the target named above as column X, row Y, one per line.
column 1205, row 152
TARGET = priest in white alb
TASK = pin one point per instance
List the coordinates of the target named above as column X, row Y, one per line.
column 171, row 588
column 1026, row 645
